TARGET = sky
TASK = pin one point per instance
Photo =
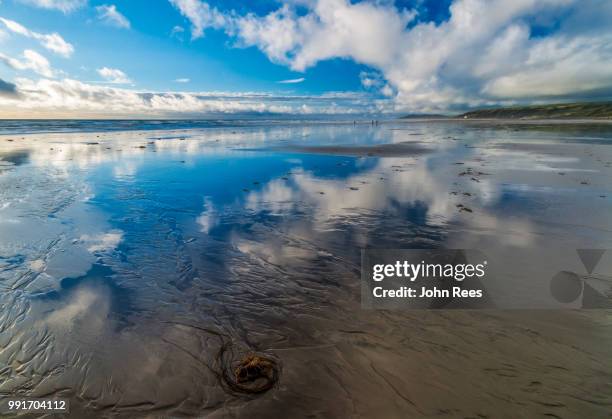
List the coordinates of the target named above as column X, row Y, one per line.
column 194, row 58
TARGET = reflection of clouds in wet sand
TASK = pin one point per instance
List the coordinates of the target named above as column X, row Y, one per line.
column 391, row 185
column 73, row 345
column 102, row 242
column 275, row 251
column 209, row 218
column 125, row 170
column 520, row 160
column 88, row 150
column 80, row 305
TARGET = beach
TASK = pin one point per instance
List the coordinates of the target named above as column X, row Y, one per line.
column 137, row 264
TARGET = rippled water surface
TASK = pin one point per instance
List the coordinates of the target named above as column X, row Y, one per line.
column 135, row 265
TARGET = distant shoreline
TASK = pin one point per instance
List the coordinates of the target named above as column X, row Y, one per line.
column 15, row 128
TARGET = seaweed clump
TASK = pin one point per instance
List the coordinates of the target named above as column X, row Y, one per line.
column 241, row 371
column 252, row 374
column 253, row 367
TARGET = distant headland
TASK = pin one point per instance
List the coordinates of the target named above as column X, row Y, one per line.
column 578, row 110
column 588, row 110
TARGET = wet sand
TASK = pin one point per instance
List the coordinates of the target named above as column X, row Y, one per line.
column 129, row 261
column 383, row 150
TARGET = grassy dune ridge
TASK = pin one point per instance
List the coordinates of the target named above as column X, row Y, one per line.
column 555, row 111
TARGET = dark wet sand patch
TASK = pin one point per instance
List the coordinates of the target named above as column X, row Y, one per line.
column 378, row 150
column 17, row 157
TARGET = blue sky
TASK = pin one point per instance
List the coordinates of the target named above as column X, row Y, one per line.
column 304, row 56
column 210, row 63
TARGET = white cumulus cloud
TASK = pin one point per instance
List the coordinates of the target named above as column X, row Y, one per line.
column 111, row 16
column 52, row 41
column 72, row 98
column 30, row 60
column 113, row 75
column 487, row 51
column 65, row 6
column 201, row 16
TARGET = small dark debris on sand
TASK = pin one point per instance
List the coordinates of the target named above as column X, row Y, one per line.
column 352, row 188
column 463, row 208
column 92, row 143
column 467, row 194
column 141, row 146
column 475, row 180
column 321, row 193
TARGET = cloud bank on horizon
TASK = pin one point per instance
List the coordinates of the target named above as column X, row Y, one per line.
column 481, row 52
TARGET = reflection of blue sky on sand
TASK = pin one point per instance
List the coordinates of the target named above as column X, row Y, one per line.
column 108, row 237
